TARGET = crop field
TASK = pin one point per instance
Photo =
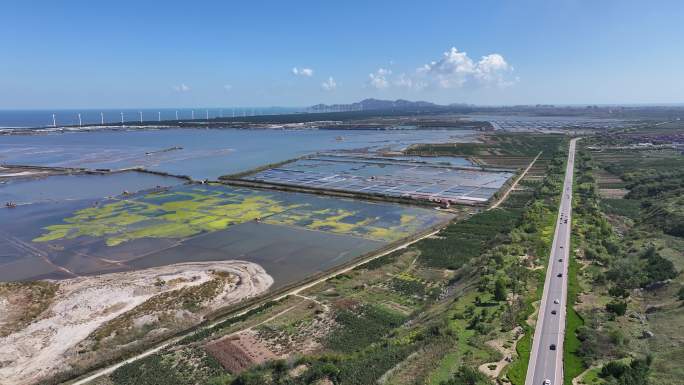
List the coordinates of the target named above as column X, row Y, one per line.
column 387, row 177
column 201, row 222
column 515, row 145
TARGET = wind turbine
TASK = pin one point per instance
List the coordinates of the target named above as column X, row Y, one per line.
column 102, row 118
column 122, row 120
column 140, row 112
column 54, row 121
column 207, row 114
column 79, row 119
column 159, row 116
column 193, row 114
column 176, row 114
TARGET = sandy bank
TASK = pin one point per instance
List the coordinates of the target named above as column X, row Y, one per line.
column 83, row 304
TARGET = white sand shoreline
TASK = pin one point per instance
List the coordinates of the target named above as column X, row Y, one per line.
column 83, row 304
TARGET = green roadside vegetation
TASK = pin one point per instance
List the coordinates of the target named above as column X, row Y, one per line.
column 434, row 313
column 630, row 252
column 572, row 364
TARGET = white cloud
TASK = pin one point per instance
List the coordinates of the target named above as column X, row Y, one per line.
column 329, row 85
column 451, row 71
column 181, row 88
column 227, row 87
column 407, row 81
column 455, row 68
column 378, row 79
column 492, row 69
column 307, row 72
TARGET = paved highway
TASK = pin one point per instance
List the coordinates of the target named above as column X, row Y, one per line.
column 546, row 358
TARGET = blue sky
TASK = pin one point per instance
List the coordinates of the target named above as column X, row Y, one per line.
column 108, row 54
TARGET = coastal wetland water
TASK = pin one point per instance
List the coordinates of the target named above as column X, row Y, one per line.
column 70, row 225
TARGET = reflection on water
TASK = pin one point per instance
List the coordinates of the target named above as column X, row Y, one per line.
column 202, row 153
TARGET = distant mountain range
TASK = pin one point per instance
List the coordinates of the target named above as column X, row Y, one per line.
column 378, row 104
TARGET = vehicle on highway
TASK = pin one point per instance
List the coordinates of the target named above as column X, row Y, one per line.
column 560, row 259
column 546, row 382
column 559, row 275
column 553, row 312
column 552, row 347
column 556, row 301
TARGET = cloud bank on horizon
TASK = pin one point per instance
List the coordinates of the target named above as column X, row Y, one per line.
column 455, row 69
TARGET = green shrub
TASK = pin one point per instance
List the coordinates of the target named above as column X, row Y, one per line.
column 617, row 308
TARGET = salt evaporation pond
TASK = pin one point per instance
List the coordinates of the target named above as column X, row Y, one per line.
column 292, row 235
column 80, row 186
column 202, row 153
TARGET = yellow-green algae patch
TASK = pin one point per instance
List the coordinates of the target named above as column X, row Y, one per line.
column 189, row 211
column 188, row 214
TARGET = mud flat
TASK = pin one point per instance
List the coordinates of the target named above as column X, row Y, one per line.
column 95, row 308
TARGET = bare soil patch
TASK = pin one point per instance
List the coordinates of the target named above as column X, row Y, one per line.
column 82, row 305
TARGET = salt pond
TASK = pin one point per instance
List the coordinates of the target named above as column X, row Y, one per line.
column 73, row 187
column 82, row 224
column 202, row 153
column 387, row 177
column 291, row 235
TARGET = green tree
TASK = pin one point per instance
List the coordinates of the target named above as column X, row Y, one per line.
column 500, row 291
